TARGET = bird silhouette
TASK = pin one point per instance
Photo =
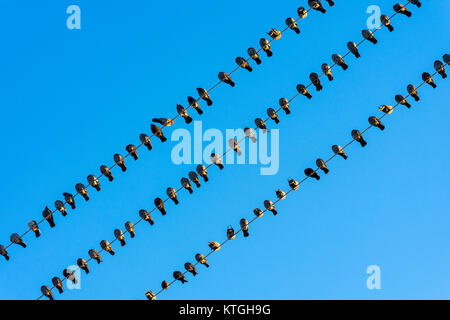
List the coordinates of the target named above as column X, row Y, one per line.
column 33, row 225
column 337, row 58
column 95, row 255
column 83, row 265
column 106, row 172
column 244, row 227
column 93, row 181
column 81, row 189
column 165, row 285
column 368, row 35
column 356, row 134
column 224, row 77
column 178, row 275
column 284, row 104
column 339, row 151
column 440, row 68
column 293, row 184
column 265, row 45
column 413, row 92
column 201, row 170
column 69, row 275
column 326, row 69
column 59, row 205
column 416, row 3
column 316, row 5
column 374, row 121
column 274, row 34
column 48, row 215
column 233, row 143
column 270, row 206
column 314, row 77
column 254, row 55
column 190, row 268
column 165, row 122
column 144, row 215
column 290, row 22
column 312, row 174
column 273, row 115
column 119, row 161
column 158, row 132
column 302, row 13
column 280, row 194
column 150, row 295
column 130, row 228
column 172, row 194
column 57, row 283
column 230, row 233
column 183, row 113
column 106, row 246
column 399, row 8
column 261, row 124
column 200, row 258
column 428, row 79
column 213, row 245
column 194, row 104
column 352, row 47
column 386, row 109
column 145, row 140
column 303, row 91
column 4, row 252
column 320, row 163
column 402, row 100
column 120, row 237
column 131, row 149
column 258, row 212
column 241, row 62
column 217, row 160
column 386, row 22
column 16, row 239
column 187, row 184
column 205, row 96
column 159, row 203
column 47, row 292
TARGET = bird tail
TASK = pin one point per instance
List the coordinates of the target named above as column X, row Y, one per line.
column 319, row 87
column 220, row 166
column 163, row 138
column 416, row 97
column 86, row 269
column 232, row 83
column 325, row 170
column 330, row 77
column 190, row 190
column 208, row 101
column 188, row 119
column 345, row 66
column 258, row 61
column 309, row 96
column 23, row 244
column 297, row 30
column 98, row 260
column 176, row 201
column 390, row 28
column 97, row 187
column 249, row 68
column 443, row 75
column 407, row 105
column 277, row 121
column 149, row 147
column 122, row 242
column 37, row 233
column 316, row 176
column 433, row 85
column 60, row 290
column 51, row 223
column 205, row 178
column 7, row 257
column 135, row 156
column 275, row 212
column 381, row 126
column 151, row 222
column 132, row 234
column 246, row 233
column 72, row 205
column 64, row 213
column 86, row 197
column 197, row 184
column 363, row 143
column 50, row 298
column 374, row 41
column 408, row 13
column 183, row 280
column 322, row 9
column 344, row 156
column 194, row 273
column 110, row 178
column 206, row 264
column 112, row 252
column 269, row 53
column 199, row 111
column 123, row 167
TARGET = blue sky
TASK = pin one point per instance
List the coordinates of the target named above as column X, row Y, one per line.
column 73, row 98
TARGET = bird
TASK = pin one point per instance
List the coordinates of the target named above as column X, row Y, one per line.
column 106, row 172
column 165, row 122
column 357, row 135
column 273, row 115
column 202, row 172
column 428, row 79
column 261, row 124
column 48, row 215
column 106, row 246
column 120, row 237
column 217, row 160
column 205, row 96
column 194, row 104
column 187, row 184
column 183, row 113
column 303, row 90
column 57, row 283
column 16, row 239
column 95, row 255
column 330, row 3
column 200, row 258
column 284, row 104
column 314, row 77
column 47, row 292
column 233, row 143
column 178, row 275
column 386, row 22
column 269, row 206
column 413, row 92
column 224, row 77
column 131, row 149
column 119, row 161
column 337, row 58
column 215, row 246
column 339, row 151
column 69, row 275
column 69, row 199
column 280, row 194
column 316, row 5
column 274, row 34
column 416, row 3
column 230, row 233
column 368, row 35
column 241, row 62
column 290, row 22
column 244, row 227
column 190, row 268
column 165, row 285
column 258, row 212
column 93, row 181
column 83, row 265
column 172, row 194
column 159, row 203
column 374, row 121
column 158, row 132
column 386, row 109
column 302, row 13
column 144, row 215
column 250, row 134
column 440, row 68
column 265, row 45
column 399, row 8
column 81, row 189
column 326, row 69
column 145, row 140
column 33, row 225
column 311, row 173
column 353, row 48
column 3, row 252
column 254, row 55
column 130, row 228
column 446, row 58
column 320, row 163
column 150, row 295
column 402, row 100
column 59, row 205
column 293, row 184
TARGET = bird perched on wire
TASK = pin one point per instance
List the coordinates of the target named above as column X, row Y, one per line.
column 402, row 100
column 254, row 55
column 145, row 140
column 47, row 292
column 106, row 172
column 258, row 212
column 314, row 77
column 274, row 34
column 369, row 36
column 399, row 8
column 303, row 91
column 284, row 104
column 165, row 285
column 224, row 77
column 353, row 48
column 81, row 189
column 130, row 228
column 413, row 92
column 374, row 121
column 270, row 206
column 144, row 215
column 302, row 13
column 386, row 22
column 241, row 62
column 217, row 160
column 357, row 135
column 178, row 275
column 158, row 132
column 95, row 255
column 69, row 275
column 244, row 227
column 261, row 125
column 119, row 161
column 316, row 5
column 106, row 246
column 320, row 163
column 93, row 181
column 293, row 184
column 312, row 174
column 249, row 133
column 4, row 252
column 200, row 258
column 280, row 194
column 48, row 215
column 290, row 22
column 57, row 283
column 214, row 245
column 172, row 194
column 416, row 3
column 265, row 45
column 150, row 295
column 230, row 233
column 194, row 104
column 69, row 199
column 337, row 58
column 446, row 58
column 159, row 203
column 166, row 122
column 16, row 239
column 440, row 68
column 428, row 79
column 83, row 265
column 186, row 184
column 120, row 237
column 386, row 109
column 326, row 69
column 205, row 96
column 202, row 172
column 190, row 268
column 273, row 115
column 33, row 225
column 233, row 143
column 339, row 151
column 184, row 114
column 59, row 205
column 132, row 151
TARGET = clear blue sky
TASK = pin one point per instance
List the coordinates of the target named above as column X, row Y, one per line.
column 72, row 98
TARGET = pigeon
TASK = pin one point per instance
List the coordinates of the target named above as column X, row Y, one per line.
column 386, row 22
column 428, row 79
column 386, row 109
column 146, row 216
column 399, row 8
column 312, row 174
column 158, row 132
column 106, row 172
column 356, row 134
column 402, row 100
column 224, row 77
column 440, row 68
column 293, row 184
column 145, row 140
column 118, row 160
column 178, row 275
column 244, row 64
column 416, row 3
column 159, row 203
column 190, row 268
column 150, row 295
column 57, row 283
column 215, row 246
column 316, row 5
column 3, row 252
column 326, row 69
column 95, row 255
column 217, row 160
column 352, row 47
column 93, row 181
column 69, row 199
column 201, row 170
column 274, row 34
column 280, row 194
column 130, row 228
column 314, row 77
column 69, row 275
column 194, row 104
column 261, row 124
column 303, row 90
column 269, row 206
column 172, row 194
column 60, row 207
column 368, row 35
column 330, row 3
column 33, row 225
column 131, row 149
column 201, row 259
column 290, row 22
column 273, row 115
column 48, row 215
column 337, row 58
column 106, row 246
column 16, row 239
column 205, row 96
column 83, row 265
column 47, row 292
column 413, row 92
column 374, row 121
column 81, row 189
column 320, row 163
column 258, row 212
column 186, row 184
column 284, row 104
column 233, row 143
column 165, row 122
column 165, row 285
column 230, row 233
column 250, row 134
column 120, row 237
column 265, row 45
column 339, row 151
column 302, row 13
column 254, row 55
column 183, row 113
column 244, row 227
column 446, row 58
